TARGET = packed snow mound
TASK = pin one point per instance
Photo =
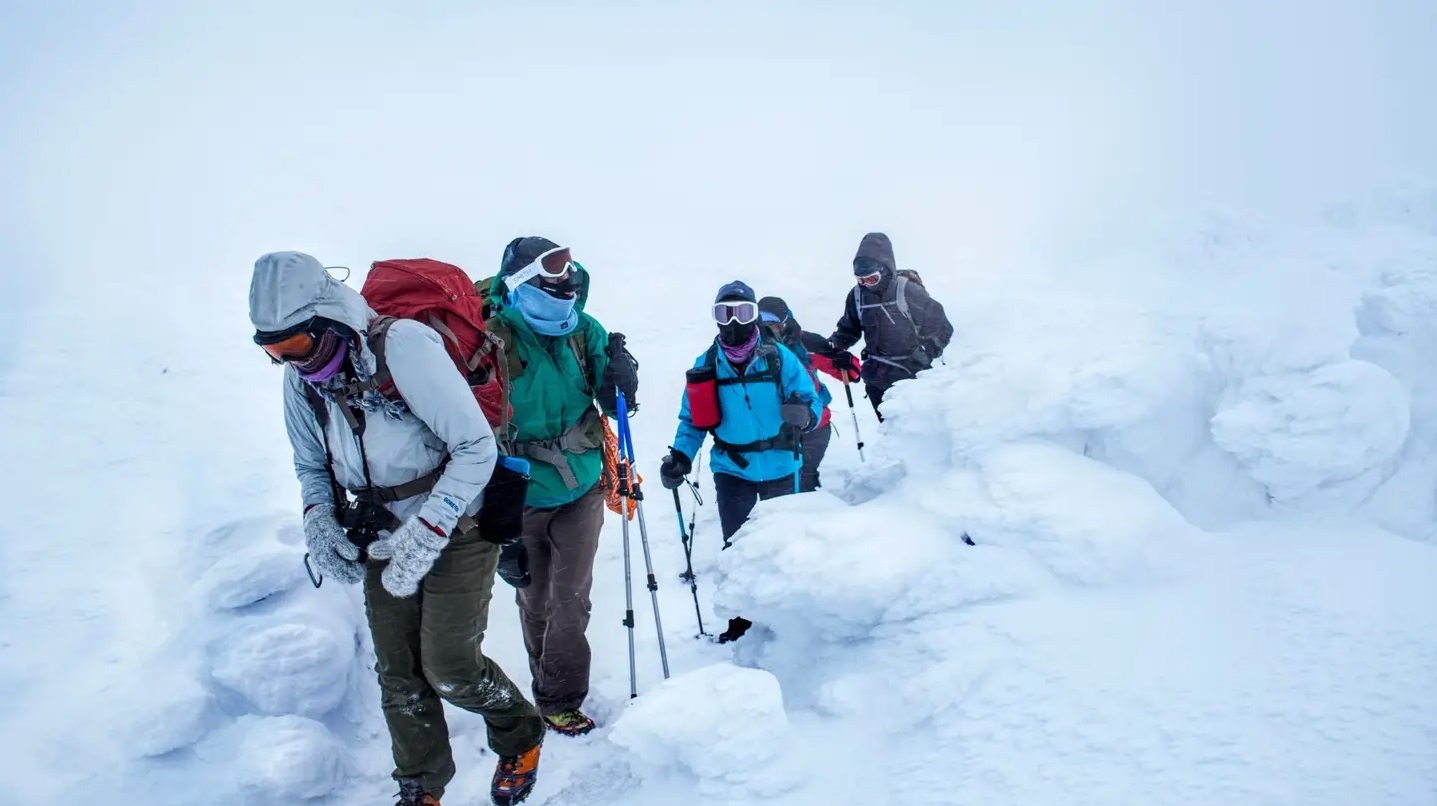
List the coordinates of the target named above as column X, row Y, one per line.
column 1143, row 613
column 291, row 757
column 723, row 725
column 1197, row 488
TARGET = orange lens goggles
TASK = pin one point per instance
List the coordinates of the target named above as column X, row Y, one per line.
column 871, row 280
column 292, row 348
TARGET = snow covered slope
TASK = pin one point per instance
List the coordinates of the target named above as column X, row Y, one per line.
column 1197, row 479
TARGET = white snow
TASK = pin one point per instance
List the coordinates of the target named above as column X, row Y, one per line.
column 1195, row 456
column 723, row 725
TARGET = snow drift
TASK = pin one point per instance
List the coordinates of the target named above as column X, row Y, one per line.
column 1198, row 481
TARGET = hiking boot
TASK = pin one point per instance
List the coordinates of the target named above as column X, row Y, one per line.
column 736, row 628
column 412, row 794
column 572, row 722
column 514, row 777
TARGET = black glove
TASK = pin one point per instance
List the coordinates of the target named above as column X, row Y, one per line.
column 843, row 361
column 514, row 564
column 796, row 413
column 621, row 374
column 673, row 469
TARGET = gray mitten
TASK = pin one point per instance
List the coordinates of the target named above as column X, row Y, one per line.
column 328, row 546
column 411, row 551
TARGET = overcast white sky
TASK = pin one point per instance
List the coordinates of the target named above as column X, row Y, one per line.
column 683, row 137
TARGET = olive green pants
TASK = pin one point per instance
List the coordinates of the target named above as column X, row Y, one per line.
column 429, row 649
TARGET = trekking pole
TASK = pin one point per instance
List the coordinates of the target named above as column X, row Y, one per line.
column 798, row 456
column 626, row 450
column 623, row 472
column 848, row 392
column 697, row 472
column 689, row 559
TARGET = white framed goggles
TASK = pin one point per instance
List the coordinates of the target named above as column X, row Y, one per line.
column 740, row 311
column 555, row 264
column 870, row 280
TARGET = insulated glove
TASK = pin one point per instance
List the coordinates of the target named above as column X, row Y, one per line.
column 514, row 564
column 411, row 551
column 328, row 546
column 673, row 469
column 843, row 361
column 622, row 374
column 796, row 413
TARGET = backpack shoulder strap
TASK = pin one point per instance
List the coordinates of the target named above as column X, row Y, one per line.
column 902, row 296
column 316, row 405
column 505, row 334
column 321, row 416
column 579, row 346
column 378, row 333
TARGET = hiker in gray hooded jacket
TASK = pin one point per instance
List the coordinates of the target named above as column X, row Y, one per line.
column 427, row 582
column 903, row 328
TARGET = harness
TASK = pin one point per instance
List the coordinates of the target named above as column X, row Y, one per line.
column 771, row 373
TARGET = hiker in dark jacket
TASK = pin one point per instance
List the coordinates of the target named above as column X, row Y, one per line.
column 904, row 329
column 758, row 402
column 428, row 579
column 561, row 363
column 778, row 319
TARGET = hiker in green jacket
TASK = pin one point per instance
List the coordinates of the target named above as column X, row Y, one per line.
column 561, row 364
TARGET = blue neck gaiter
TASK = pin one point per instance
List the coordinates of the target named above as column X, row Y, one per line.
column 545, row 314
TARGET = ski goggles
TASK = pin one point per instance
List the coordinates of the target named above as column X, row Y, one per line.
column 291, row 344
column 554, row 266
column 870, row 280
column 735, row 311
column 771, row 318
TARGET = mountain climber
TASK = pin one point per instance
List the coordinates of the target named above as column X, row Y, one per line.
column 561, row 361
column 758, row 401
column 904, row 329
column 418, row 467
column 778, row 320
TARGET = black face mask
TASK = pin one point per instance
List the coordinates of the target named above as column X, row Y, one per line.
column 735, row 333
column 566, row 288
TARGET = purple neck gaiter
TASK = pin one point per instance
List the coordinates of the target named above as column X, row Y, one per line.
column 325, row 369
column 739, row 355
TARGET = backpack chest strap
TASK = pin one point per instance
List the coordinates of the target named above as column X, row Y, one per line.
column 577, row 439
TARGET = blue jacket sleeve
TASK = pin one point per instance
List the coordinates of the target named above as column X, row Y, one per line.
column 688, row 440
column 796, row 380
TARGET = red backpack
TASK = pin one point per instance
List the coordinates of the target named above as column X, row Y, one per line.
column 443, row 297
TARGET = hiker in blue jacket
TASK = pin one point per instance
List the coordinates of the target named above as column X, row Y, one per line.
column 757, row 400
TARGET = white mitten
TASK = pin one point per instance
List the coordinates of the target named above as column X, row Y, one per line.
column 328, row 546
column 411, row 551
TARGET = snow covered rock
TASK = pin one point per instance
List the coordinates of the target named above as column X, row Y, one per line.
column 1299, row 431
column 722, row 724
column 244, row 578
column 291, row 757
column 185, row 714
column 285, row 668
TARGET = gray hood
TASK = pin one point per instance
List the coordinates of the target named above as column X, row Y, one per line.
column 291, row 287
